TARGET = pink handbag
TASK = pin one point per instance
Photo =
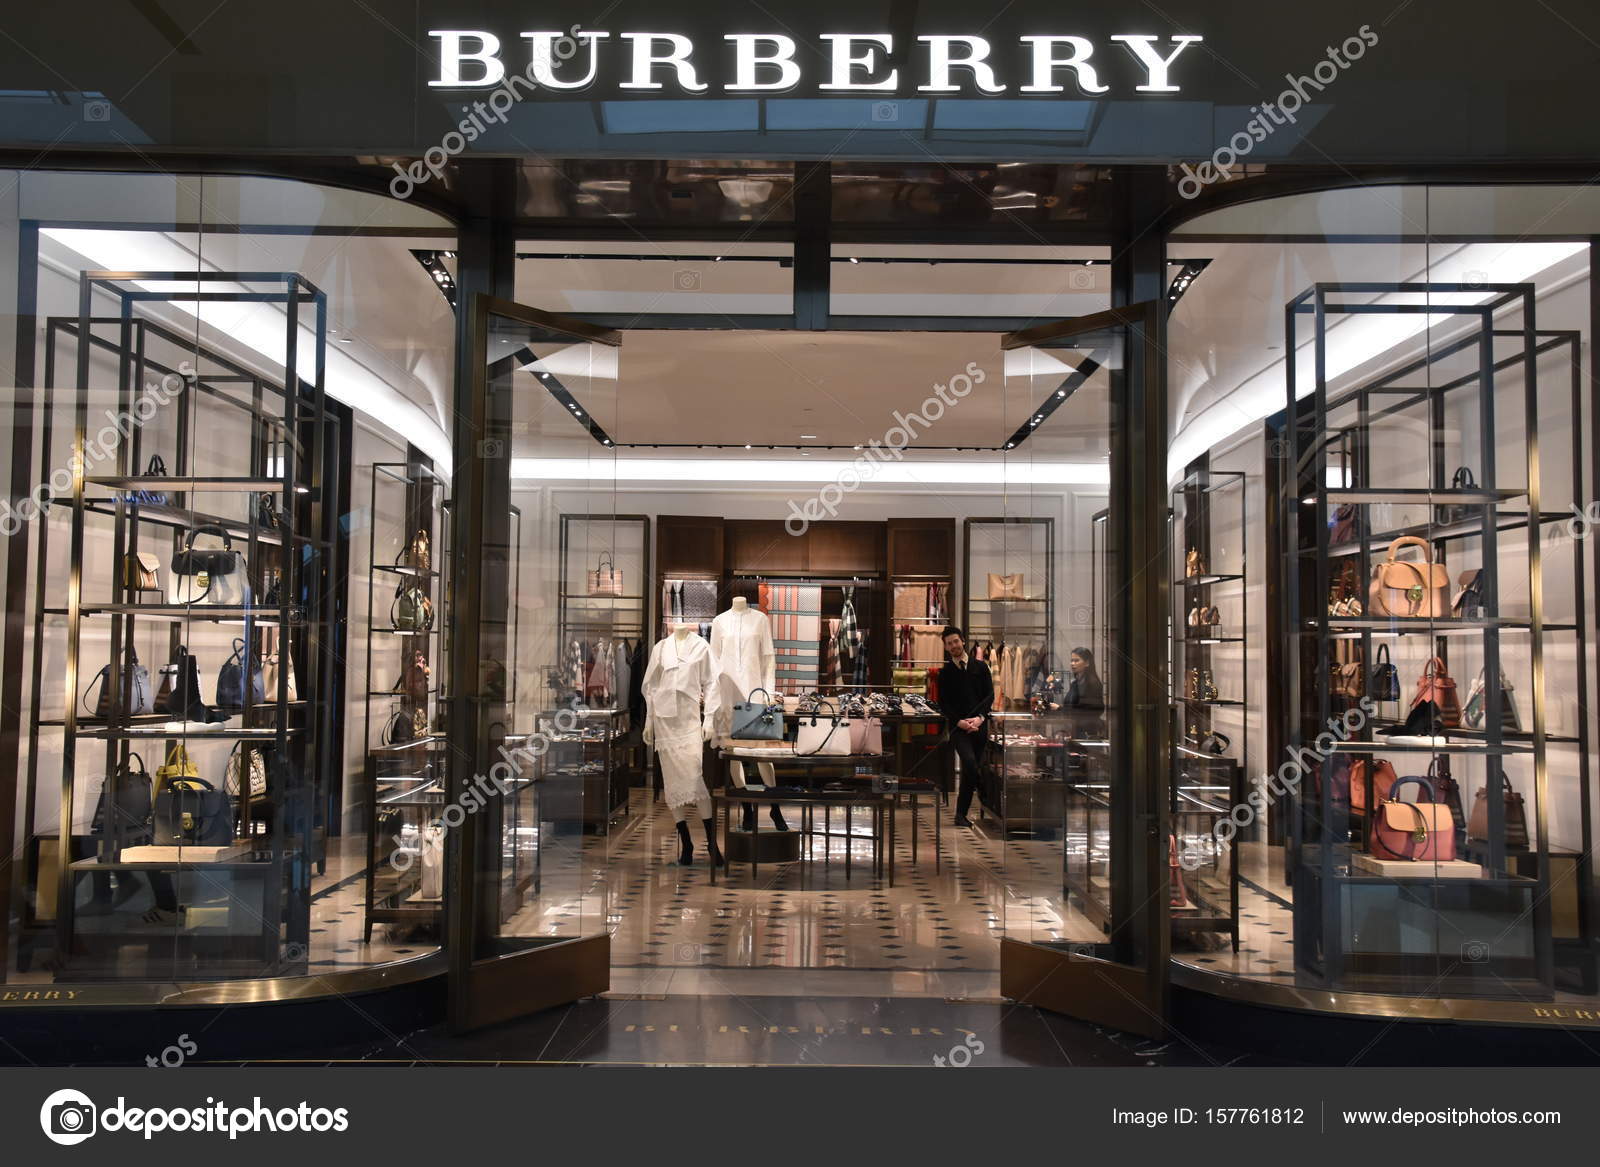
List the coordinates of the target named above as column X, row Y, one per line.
column 1422, row 831
column 866, row 735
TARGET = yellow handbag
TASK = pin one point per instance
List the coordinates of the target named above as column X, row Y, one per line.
column 175, row 767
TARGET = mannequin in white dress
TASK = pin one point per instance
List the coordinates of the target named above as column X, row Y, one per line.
column 681, row 702
column 741, row 643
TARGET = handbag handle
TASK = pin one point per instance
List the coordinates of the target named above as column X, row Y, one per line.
column 156, row 467
column 1422, row 783
column 1462, row 479
column 750, row 697
column 99, row 679
column 605, row 562
column 832, row 711
column 1383, row 656
column 1405, row 540
column 1434, row 669
column 132, row 754
column 208, row 529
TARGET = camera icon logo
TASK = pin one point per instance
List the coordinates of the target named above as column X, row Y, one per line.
column 68, row 1117
column 1475, row 279
column 686, row 952
column 491, row 448
column 685, row 280
column 97, row 111
column 1475, row 952
column 1081, row 279
column 886, row 111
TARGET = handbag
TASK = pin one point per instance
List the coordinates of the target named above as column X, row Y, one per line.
column 276, row 658
column 155, row 468
column 757, row 720
column 1418, row 831
column 176, row 766
column 194, row 812
column 139, row 697
column 213, row 576
column 828, row 738
column 231, row 679
column 405, row 726
column 1468, row 601
column 1351, row 680
column 412, row 610
column 1456, row 512
column 432, row 863
column 1005, row 587
column 1516, row 815
column 866, row 735
column 1194, row 564
column 1408, row 589
column 1385, row 677
column 1345, row 526
column 414, row 679
column 1510, row 719
column 606, row 578
column 131, row 808
column 1438, row 686
column 1356, row 780
column 417, row 554
column 258, row 772
column 1446, row 789
column 141, row 571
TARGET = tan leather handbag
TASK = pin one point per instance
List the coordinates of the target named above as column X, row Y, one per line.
column 1005, row 587
column 1408, row 589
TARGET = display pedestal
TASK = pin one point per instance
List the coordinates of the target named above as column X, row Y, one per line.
column 1408, row 869
column 762, row 846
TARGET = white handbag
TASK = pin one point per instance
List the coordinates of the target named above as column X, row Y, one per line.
column 824, row 734
column 275, row 655
column 866, row 735
column 432, row 863
column 215, row 577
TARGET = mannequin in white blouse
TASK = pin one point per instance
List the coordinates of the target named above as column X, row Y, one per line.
column 682, row 699
column 741, row 642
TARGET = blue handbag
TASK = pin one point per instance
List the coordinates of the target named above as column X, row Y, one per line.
column 758, row 720
column 231, row 679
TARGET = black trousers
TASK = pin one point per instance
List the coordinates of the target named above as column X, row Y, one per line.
column 970, row 748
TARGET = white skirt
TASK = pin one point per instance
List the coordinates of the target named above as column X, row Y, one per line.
column 681, row 754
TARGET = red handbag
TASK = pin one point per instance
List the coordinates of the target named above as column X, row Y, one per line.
column 1418, row 831
column 1438, row 686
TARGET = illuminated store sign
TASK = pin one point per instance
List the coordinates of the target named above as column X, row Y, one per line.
column 839, row 63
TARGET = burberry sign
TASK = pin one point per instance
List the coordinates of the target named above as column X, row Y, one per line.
column 644, row 62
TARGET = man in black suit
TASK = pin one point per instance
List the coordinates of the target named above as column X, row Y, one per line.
column 966, row 696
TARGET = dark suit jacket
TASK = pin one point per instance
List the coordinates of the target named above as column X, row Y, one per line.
column 966, row 692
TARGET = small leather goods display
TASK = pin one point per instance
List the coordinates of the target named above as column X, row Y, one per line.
column 1516, row 815
column 1005, row 587
column 823, row 733
column 232, row 679
column 132, row 807
column 1438, row 686
column 1478, row 704
column 418, row 556
column 415, row 676
column 1467, row 603
column 194, row 812
column 1385, row 677
column 210, row 576
column 1402, row 588
column 141, row 571
column 412, row 610
column 757, row 720
column 606, row 578
column 1418, row 831
column 140, row 699
column 1457, row 512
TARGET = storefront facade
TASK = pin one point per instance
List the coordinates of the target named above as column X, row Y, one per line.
column 369, row 293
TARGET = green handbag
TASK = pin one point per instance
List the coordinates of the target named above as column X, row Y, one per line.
column 412, row 610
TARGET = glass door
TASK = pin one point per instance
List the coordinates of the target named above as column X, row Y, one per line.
column 1084, row 734
column 527, row 922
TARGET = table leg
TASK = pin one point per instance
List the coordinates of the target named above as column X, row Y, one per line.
column 892, row 839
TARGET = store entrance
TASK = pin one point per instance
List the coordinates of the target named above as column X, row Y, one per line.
column 734, row 556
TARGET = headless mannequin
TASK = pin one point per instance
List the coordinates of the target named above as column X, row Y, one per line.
column 680, row 639
column 744, row 666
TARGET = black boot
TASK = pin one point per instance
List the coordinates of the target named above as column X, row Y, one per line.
column 749, row 823
column 711, row 842
column 777, row 819
column 686, row 846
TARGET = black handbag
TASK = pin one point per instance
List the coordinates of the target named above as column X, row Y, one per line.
column 193, row 812
column 212, row 575
column 1385, row 677
column 1456, row 512
column 130, row 818
column 155, row 468
column 231, row 679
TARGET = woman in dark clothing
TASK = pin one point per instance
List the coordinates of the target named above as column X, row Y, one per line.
column 1085, row 695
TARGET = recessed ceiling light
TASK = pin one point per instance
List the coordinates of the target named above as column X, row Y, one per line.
column 747, row 445
column 808, row 437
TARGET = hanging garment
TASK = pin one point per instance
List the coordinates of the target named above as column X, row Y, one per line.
column 905, row 645
column 699, row 600
column 998, row 672
column 859, row 676
column 636, row 666
column 796, row 615
column 849, row 628
column 741, row 645
column 939, row 602
column 830, row 653
column 620, row 679
column 910, row 601
column 574, row 666
column 682, row 700
column 927, row 646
